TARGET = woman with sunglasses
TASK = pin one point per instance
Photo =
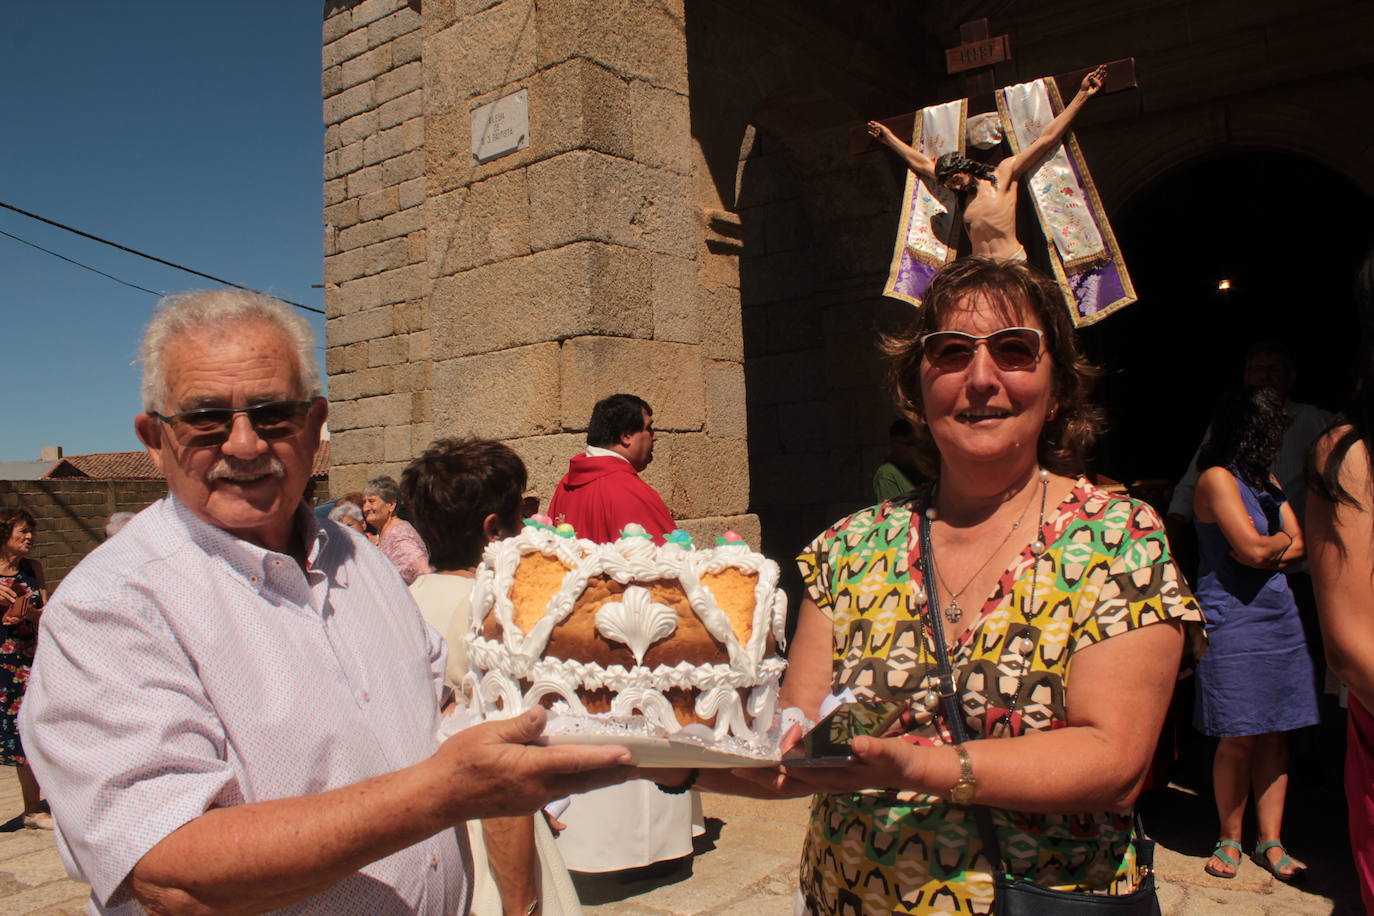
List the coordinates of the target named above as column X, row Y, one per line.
column 1247, row 534
column 1059, row 605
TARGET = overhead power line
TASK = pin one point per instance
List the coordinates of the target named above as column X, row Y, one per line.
column 144, row 254
column 79, row 264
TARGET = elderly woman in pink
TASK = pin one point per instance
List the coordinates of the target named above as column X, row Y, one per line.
column 397, row 538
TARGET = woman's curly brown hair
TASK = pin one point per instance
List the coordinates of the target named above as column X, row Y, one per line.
column 1016, row 292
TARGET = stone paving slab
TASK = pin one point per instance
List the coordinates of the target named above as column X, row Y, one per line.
column 746, row 865
column 32, row 879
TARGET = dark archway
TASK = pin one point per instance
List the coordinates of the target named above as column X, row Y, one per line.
column 1288, row 233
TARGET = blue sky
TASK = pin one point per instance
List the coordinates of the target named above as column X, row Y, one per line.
column 186, row 129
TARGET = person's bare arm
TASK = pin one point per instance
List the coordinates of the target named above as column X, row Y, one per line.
column 262, row 856
column 1116, row 698
column 1056, row 129
column 510, row 851
column 1340, row 540
column 1296, row 551
column 1218, row 500
column 916, row 160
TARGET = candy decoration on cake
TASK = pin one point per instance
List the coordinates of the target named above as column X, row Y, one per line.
column 678, row 636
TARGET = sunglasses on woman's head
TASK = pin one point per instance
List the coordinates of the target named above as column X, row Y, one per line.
column 210, row 426
column 1012, row 349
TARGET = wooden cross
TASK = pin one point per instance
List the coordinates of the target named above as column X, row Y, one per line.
column 973, row 60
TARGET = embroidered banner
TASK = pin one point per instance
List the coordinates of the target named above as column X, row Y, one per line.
column 1083, row 253
column 928, row 233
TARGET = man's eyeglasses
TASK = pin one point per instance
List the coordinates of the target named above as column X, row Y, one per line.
column 1012, row 349
column 210, row 426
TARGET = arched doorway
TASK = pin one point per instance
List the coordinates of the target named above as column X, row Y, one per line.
column 1288, row 234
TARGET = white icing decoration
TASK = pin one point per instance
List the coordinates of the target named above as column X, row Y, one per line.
column 636, row 620
column 653, row 704
column 501, row 665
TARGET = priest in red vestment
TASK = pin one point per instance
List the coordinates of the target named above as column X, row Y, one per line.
column 638, row 830
column 602, row 492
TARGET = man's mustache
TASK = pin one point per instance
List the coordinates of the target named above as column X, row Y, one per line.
column 229, row 468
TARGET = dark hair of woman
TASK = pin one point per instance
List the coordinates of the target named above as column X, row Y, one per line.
column 1247, row 430
column 453, row 487
column 11, row 517
column 1357, row 417
column 1016, row 292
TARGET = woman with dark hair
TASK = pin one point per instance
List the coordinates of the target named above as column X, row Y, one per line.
column 1247, row 534
column 1029, row 574
column 23, row 592
column 464, row 494
column 1340, row 539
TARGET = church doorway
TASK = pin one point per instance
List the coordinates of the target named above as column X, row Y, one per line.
column 1226, row 251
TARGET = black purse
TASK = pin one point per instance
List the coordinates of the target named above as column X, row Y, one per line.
column 1017, row 896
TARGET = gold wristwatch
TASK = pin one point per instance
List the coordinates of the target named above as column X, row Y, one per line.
column 962, row 792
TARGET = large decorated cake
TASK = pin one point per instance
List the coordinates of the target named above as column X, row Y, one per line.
column 685, row 638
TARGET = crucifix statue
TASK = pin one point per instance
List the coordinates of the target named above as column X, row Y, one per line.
column 945, row 181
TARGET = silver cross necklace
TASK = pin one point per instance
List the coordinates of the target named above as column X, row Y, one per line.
column 953, row 612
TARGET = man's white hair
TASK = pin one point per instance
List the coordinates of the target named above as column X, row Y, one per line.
column 219, row 310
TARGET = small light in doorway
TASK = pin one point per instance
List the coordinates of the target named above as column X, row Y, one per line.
column 1223, row 285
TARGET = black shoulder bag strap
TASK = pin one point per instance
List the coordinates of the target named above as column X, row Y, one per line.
column 949, row 692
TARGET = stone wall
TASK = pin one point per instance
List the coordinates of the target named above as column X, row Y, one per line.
column 521, row 290
column 376, row 275
column 71, row 514
column 690, row 223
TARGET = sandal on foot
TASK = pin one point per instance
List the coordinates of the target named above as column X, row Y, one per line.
column 1260, row 858
column 1224, row 859
column 39, row 820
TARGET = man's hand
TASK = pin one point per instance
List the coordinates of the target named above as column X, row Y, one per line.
column 493, row 770
column 1093, row 81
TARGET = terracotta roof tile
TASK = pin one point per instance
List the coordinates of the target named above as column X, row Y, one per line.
column 138, row 466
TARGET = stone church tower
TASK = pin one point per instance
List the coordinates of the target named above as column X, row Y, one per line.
column 686, row 220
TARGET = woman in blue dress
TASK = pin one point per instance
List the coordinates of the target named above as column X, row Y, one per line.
column 23, row 592
column 1255, row 682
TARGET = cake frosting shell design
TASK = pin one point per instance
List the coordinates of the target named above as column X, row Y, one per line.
column 678, row 636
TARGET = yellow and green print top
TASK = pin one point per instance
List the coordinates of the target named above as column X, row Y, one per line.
column 1106, row 571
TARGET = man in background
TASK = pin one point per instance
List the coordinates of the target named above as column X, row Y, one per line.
column 602, row 491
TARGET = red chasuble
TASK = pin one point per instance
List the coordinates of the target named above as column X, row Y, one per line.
column 600, row 495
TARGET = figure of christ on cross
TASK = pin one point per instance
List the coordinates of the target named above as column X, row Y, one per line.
column 987, row 192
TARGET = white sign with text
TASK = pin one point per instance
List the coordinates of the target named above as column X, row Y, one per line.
column 501, row 127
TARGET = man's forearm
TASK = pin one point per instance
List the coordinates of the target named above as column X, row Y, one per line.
column 262, row 856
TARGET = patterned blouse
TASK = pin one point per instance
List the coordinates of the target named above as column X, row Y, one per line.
column 1107, row 570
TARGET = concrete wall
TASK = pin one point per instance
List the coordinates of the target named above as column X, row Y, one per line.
column 71, row 514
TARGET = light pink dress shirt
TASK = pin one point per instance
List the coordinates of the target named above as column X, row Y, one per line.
column 181, row 668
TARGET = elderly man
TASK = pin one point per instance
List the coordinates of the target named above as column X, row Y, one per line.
column 234, row 705
column 602, row 492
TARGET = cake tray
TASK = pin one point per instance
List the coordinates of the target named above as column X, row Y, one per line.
column 693, row 746
column 662, row 752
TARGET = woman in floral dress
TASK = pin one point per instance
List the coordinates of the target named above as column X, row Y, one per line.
column 23, row 592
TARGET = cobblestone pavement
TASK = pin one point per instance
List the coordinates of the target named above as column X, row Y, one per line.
column 747, row 862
